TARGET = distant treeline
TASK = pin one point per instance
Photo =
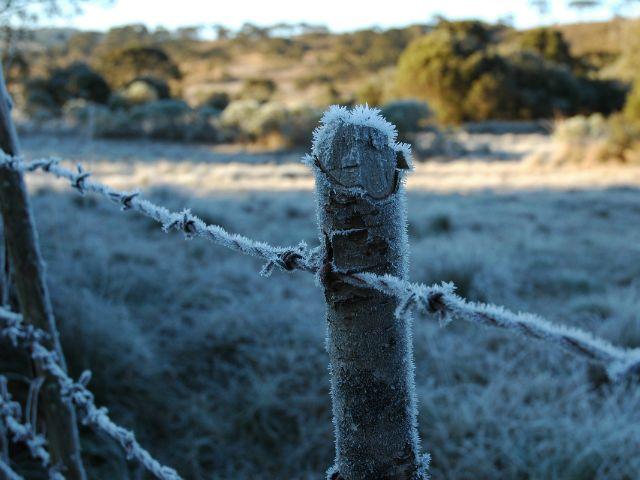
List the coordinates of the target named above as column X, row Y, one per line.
column 457, row 71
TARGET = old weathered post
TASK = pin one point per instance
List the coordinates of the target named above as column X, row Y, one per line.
column 362, row 217
column 28, row 274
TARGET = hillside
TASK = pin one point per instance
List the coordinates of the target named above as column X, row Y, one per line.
column 312, row 66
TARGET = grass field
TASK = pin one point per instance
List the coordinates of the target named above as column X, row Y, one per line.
column 223, row 374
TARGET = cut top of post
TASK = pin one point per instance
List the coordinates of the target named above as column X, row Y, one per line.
column 356, row 150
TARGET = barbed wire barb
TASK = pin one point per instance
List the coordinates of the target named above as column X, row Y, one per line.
column 11, row 417
column 76, row 392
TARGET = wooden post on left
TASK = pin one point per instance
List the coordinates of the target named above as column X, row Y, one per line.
column 27, row 267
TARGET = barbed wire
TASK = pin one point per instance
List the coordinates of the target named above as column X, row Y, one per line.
column 8, row 472
column 285, row 258
column 442, row 301
column 439, row 300
column 28, row 337
column 11, row 417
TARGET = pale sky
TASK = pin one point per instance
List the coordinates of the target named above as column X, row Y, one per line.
column 338, row 15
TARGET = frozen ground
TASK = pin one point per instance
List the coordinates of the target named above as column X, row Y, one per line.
column 223, row 373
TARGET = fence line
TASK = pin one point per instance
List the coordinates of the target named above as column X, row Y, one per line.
column 439, row 300
column 287, row 258
column 28, row 337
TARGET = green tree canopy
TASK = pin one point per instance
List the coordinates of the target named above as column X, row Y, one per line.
column 122, row 65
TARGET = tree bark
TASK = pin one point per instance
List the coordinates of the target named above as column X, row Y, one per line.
column 26, row 262
column 362, row 216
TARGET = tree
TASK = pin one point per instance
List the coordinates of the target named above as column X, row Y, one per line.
column 222, row 32
column 632, row 107
column 584, row 4
column 16, row 15
column 120, row 66
column 461, row 73
column 549, row 44
column 125, row 36
column 544, row 6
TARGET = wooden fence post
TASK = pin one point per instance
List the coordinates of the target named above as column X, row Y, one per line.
column 362, row 216
column 33, row 295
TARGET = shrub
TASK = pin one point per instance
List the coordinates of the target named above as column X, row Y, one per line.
column 121, row 66
column 78, row 112
column 234, row 120
column 549, row 43
column 597, row 139
column 458, row 70
column 115, row 124
column 270, row 118
column 260, row 89
column 632, row 106
column 438, row 68
column 302, row 122
column 217, row 100
column 271, row 123
column 145, row 90
column 77, row 80
column 623, row 142
column 409, row 116
column 162, row 120
column 38, row 99
column 370, row 93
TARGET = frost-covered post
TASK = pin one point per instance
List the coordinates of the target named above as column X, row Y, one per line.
column 23, row 252
column 362, row 216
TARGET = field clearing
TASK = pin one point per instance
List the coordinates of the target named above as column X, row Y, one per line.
column 503, row 163
column 223, row 373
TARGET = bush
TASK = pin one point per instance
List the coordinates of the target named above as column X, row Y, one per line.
column 39, row 101
column 123, row 65
column 144, row 90
column 458, row 70
column 271, row 123
column 174, row 120
column 441, row 68
column 115, row 124
column 302, row 122
column 370, row 93
column 78, row 80
column 595, row 139
column 235, row 119
column 632, row 106
column 78, row 112
column 260, row 89
column 216, row 100
column 162, row 120
column 549, row 43
column 578, row 128
column 409, row 116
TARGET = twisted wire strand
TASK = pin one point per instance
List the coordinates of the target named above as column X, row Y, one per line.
column 76, row 392
column 285, row 258
column 439, row 300
column 8, row 472
column 11, row 417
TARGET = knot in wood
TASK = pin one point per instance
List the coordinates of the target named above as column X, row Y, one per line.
column 360, row 157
